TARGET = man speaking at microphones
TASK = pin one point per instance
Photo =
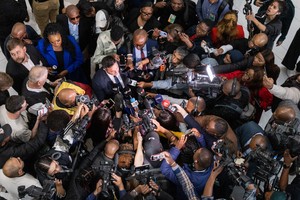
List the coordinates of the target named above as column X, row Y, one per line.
column 108, row 81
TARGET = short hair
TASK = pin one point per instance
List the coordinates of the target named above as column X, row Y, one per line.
column 13, row 43
column 36, row 73
column 182, row 51
column 174, row 30
column 108, row 61
column 146, row 4
column 57, row 120
column 221, row 126
column 192, row 60
column 14, row 103
column 205, row 158
column 6, row 81
column 281, row 5
column 208, row 23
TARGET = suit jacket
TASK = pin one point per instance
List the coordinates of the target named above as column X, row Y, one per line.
column 71, row 64
column 18, row 72
column 85, row 29
column 103, row 85
column 150, row 44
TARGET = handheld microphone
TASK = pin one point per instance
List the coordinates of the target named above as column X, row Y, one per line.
column 167, row 105
column 149, row 107
column 158, row 99
column 127, row 93
column 118, row 102
column 135, row 105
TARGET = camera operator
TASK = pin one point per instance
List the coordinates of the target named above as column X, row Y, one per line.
column 99, row 163
column 65, row 95
column 57, row 162
column 165, row 82
column 286, row 17
column 198, row 174
column 12, row 176
column 210, row 126
column 269, row 21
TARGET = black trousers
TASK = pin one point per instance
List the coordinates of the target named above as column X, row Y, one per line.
column 291, row 56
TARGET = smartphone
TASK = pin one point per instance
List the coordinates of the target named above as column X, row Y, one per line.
column 110, row 104
column 163, row 33
column 42, row 111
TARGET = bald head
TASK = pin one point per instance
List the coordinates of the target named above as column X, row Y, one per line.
column 140, row 37
column 284, row 114
column 111, row 148
column 230, row 88
column 13, row 167
column 67, row 96
column 73, row 14
column 199, row 103
column 18, row 31
column 258, row 141
column 260, row 40
column 204, row 158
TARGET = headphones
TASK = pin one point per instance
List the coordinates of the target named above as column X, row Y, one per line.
column 195, row 110
column 233, row 91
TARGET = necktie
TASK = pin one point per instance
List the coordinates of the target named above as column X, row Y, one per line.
column 142, row 58
column 117, row 81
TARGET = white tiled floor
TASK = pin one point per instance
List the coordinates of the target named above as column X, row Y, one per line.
column 238, row 5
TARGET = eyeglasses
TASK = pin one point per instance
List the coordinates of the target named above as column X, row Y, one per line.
column 146, row 14
column 77, row 17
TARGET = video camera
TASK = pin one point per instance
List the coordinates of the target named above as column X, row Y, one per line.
column 144, row 174
column 236, row 173
column 44, row 193
column 87, row 101
column 104, row 170
column 285, row 136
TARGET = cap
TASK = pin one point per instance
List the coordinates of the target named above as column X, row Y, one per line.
column 152, row 144
column 5, row 131
column 236, row 56
column 116, row 32
column 101, row 19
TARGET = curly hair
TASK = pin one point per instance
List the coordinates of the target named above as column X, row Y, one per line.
column 53, row 29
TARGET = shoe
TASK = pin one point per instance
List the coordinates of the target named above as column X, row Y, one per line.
column 290, row 73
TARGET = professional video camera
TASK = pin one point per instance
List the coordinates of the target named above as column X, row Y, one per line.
column 44, row 193
column 210, row 85
column 144, row 174
column 104, row 170
column 266, row 165
column 87, row 101
column 284, row 136
column 236, row 173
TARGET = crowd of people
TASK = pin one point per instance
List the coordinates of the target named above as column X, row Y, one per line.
column 144, row 99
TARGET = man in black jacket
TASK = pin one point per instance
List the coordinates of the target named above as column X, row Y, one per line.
column 26, row 151
column 23, row 58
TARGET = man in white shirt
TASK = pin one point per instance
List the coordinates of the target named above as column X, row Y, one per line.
column 12, row 176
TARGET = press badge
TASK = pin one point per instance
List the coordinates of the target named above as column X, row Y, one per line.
column 212, row 17
column 172, row 19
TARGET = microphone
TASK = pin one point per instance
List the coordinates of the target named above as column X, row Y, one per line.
column 127, row 93
column 118, row 102
column 149, row 107
column 158, row 99
column 167, row 105
column 135, row 105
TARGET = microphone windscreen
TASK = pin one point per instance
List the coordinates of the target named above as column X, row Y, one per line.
column 118, row 102
column 158, row 98
column 165, row 103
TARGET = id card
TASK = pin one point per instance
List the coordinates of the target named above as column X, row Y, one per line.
column 212, row 17
column 172, row 19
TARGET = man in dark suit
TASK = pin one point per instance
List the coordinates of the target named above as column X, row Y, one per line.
column 23, row 32
column 108, row 80
column 75, row 25
column 23, row 58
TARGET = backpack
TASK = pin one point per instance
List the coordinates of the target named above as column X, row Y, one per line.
column 247, row 113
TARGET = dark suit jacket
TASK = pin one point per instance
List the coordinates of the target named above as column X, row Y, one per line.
column 18, row 72
column 85, row 29
column 103, row 86
column 150, row 43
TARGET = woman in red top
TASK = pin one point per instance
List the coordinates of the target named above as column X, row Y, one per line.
column 227, row 30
